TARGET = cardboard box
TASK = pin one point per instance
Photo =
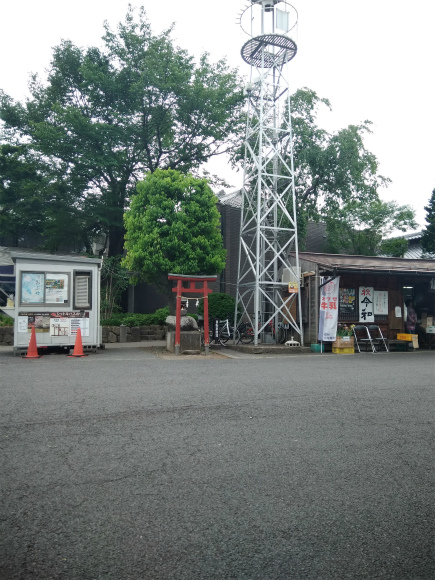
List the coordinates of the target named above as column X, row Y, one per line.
column 343, row 342
column 403, row 336
column 414, row 340
column 429, row 321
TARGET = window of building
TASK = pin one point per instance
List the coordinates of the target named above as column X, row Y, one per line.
column 82, row 290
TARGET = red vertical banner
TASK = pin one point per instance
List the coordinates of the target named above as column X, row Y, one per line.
column 178, row 317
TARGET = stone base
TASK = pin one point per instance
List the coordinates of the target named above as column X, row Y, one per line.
column 189, row 340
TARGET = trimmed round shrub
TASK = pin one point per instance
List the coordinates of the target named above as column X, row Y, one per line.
column 220, row 305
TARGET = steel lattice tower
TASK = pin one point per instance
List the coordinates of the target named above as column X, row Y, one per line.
column 268, row 230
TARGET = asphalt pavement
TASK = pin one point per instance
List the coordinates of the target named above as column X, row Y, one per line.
column 134, row 464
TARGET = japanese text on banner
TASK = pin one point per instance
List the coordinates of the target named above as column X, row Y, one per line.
column 328, row 315
column 365, row 299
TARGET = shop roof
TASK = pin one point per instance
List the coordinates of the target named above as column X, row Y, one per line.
column 345, row 262
column 53, row 257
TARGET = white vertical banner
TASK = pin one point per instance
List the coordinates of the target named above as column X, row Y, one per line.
column 365, row 299
column 380, row 302
column 328, row 314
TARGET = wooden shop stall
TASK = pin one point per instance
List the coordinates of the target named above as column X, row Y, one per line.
column 57, row 295
column 372, row 290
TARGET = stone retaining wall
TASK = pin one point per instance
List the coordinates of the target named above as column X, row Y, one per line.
column 6, row 335
column 110, row 334
column 135, row 334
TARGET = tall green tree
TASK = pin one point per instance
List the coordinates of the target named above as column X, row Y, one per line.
column 332, row 170
column 114, row 281
column 36, row 208
column 172, row 226
column 138, row 104
column 428, row 238
column 360, row 228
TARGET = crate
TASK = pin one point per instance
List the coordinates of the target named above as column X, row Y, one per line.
column 347, row 350
column 343, row 342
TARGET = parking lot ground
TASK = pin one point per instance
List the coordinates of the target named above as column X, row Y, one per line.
column 133, row 464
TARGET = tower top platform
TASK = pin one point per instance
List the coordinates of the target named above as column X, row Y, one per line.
column 278, row 50
column 266, row 17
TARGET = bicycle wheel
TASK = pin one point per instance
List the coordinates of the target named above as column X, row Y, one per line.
column 246, row 334
column 227, row 334
column 224, row 336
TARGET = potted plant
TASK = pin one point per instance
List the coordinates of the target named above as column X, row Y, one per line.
column 344, row 336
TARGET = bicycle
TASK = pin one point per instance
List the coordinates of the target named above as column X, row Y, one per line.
column 246, row 333
column 220, row 339
column 226, row 332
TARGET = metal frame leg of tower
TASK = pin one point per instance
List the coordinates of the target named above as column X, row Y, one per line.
column 268, row 231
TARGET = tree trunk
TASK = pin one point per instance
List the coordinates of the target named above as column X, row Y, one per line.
column 172, row 297
column 116, row 240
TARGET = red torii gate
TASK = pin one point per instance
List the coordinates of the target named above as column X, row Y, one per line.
column 190, row 289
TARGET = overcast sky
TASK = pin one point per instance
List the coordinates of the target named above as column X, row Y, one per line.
column 373, row 60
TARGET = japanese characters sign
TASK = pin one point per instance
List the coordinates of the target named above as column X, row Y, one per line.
column 32, row 288
column 40, row 320
column 347, row 301
column 380, row 302
column 56, row 323
column 56, row 288
column 328, row 315
column 366, row 307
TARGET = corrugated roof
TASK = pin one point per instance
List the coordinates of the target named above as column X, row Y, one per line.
column 413, row 252
column 234, row 199
column 372, row 263
column 411, row 236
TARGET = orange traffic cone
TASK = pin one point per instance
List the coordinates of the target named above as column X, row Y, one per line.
column 32, row 351
column 78, row 347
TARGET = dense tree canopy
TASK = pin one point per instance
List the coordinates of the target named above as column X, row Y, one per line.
column 428, row 239
column 331, row 170
column 36, row 208
column 360, row 228
column 173, row 226
column 106, row 116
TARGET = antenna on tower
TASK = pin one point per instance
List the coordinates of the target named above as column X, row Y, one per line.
column 268, row 284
